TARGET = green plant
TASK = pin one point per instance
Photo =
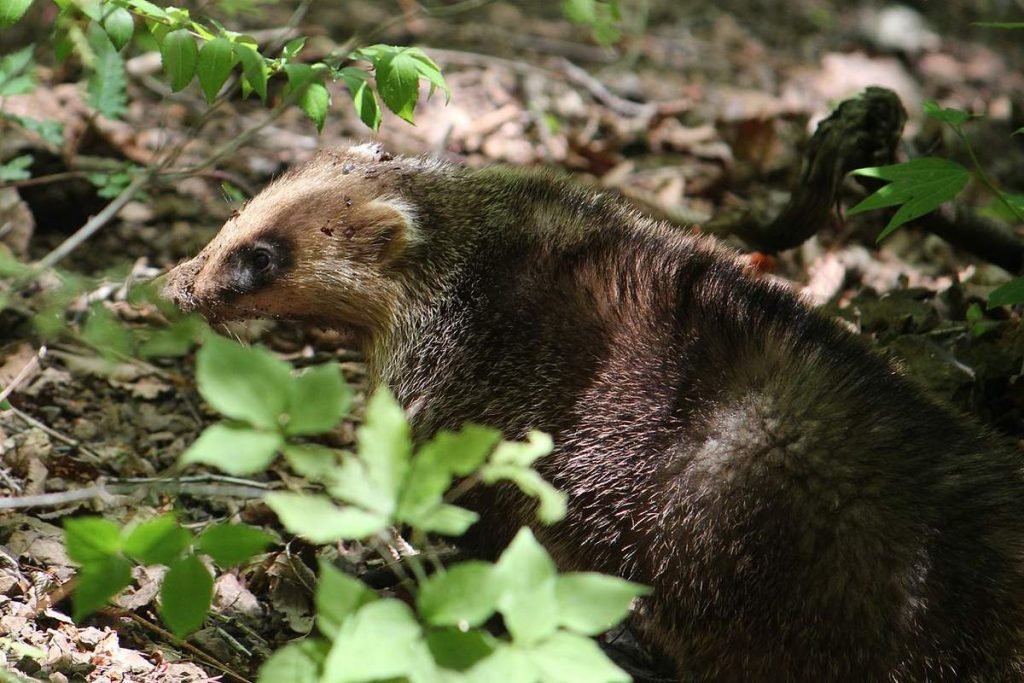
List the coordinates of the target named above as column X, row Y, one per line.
column 388, row 483
column 604, row 17
column 206, row 52
column 106, row 554
column 922, row 185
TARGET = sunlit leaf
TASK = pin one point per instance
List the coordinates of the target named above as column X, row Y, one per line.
column 180, row 57
column 12, row 10
column 97, row 582
column 246, row 383
column 1008, row 294
column 157, row 541
column 317, row 399
column 185, row 595
column 216, row 60
column 232, row 544
column 319, row 520
column 235, row 450
column 949, row 115
column 119, row 25
column 90, row 539
column 920, row 185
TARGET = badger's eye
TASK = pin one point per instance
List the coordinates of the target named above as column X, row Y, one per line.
column 261, row 259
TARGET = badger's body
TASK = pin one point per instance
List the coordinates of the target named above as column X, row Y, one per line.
column 802, row 511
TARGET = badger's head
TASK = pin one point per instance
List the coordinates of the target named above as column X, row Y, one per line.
column 320, row 243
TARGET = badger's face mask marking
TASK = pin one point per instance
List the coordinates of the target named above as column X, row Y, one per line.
column 319, row 244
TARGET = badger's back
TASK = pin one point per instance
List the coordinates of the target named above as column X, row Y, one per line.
column 802, row 511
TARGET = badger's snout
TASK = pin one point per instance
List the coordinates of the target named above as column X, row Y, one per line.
column 180, row 284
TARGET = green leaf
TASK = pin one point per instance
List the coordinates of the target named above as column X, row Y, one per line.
column 91, row 539
column 16, row 168
column 457, row 650
column 313, row 97
column 448, row 520
column 464, row 595
column 590, row 603
column 317, row 399
column 569, row 658
column 429, row 70
column 377, row 642
column 185, row 595
column 105, row 333
column 431, row 470
column 319, row 520
column 235, row 450
column 315, row 100
column 312, row 461
column 293, row 47
column 338, row 596
column 1008, row 294
column 398, row 82
column 525, row 578
column 254, row 68
column 119, row 25
column 530, row 614
column 384, row 442
column 295, row 663
column 106, row 89
column 175, row 340
column 148, row 9
column 523, row 453
column 948, row 115
column 12, row 10
column 216, row 60
column 920, row 185
column 352, row 483
column 157, row 541
column 553, row 503
column 51, row 132
column 232, row 544
column 461, row 452
column 507, row 664
column 363, row 97
column 97, row 582
column 580, row 11
column 16, row 72
column 246, row 383
column 180, row 57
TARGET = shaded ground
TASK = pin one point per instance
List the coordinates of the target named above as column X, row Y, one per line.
column 701, row 109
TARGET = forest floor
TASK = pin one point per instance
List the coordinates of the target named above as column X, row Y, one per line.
column 703, row 108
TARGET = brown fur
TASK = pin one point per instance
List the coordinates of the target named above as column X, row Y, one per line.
column 803, row 512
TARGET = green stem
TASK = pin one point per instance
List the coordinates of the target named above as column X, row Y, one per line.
column 985, row 178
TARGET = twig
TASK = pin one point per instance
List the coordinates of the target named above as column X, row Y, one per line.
column 43, row 179
column 207, row 485
column 64, row 438
column 29, row 368
column 57, row 499
column 207, row 659
column 620, row 105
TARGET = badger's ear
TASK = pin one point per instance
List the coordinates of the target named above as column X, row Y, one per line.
column 389, row 230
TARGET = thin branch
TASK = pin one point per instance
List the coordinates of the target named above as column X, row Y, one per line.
column 210, row 486
column 29, row 368
column 64, row 438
